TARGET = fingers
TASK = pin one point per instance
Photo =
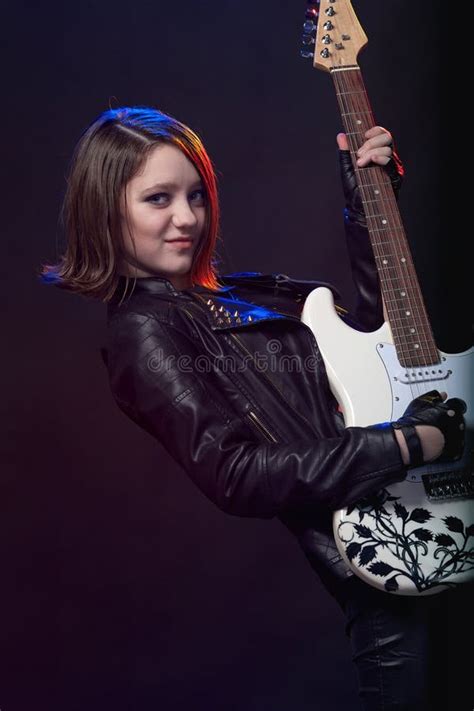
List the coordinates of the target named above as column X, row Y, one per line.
column 376, row 137
column 434, row 396
column 458, row 405
column 378, row 131
column 377, row 148
column 342, row 142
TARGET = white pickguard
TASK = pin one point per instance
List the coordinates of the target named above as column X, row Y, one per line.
column 427, row 544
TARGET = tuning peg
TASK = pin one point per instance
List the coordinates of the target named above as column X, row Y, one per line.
column 309, row 29
column 309, row 26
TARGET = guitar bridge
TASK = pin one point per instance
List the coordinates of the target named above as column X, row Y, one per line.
column 443, row 486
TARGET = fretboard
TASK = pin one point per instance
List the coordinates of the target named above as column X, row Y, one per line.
column 401, row 292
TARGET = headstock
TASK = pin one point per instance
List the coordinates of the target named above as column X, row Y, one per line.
column 332, row 34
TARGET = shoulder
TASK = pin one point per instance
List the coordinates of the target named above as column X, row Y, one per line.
column 140, row 325
column 276, row 281
column 277, row 290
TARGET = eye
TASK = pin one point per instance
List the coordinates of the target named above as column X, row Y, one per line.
column 158, row 199
column 198, row 197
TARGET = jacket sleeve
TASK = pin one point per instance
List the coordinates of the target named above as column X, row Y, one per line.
column 368, row 311
column 158, row 386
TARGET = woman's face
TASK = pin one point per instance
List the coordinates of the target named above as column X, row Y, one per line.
column 164, row 212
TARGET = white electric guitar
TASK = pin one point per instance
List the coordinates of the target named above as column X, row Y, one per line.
column 415, row 537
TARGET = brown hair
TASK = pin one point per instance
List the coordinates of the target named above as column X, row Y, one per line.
column 109, row 153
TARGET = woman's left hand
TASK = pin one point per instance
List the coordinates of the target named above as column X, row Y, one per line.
column 378, row 148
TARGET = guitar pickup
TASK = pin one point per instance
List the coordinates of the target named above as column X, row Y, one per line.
column 422, row 375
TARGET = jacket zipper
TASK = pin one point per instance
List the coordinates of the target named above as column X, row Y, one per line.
column 189, row 313
column 272, row 384
column 251, row 414
column 260, row 426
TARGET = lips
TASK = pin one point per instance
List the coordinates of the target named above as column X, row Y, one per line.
column 180, row 239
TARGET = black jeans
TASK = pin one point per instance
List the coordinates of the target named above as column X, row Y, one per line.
column 411, row 653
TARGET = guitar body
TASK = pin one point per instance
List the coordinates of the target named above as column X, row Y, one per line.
column 415, row 537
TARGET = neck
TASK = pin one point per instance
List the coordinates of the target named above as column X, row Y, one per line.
column 179, row 281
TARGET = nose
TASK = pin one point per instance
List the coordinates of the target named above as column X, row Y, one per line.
column 183, row 215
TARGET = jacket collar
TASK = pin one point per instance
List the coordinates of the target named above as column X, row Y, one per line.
column 223, row 310
column 151, row 285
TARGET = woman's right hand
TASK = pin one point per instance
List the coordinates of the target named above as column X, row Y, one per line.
column 439, row 426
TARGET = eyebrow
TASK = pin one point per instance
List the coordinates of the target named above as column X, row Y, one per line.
column 169, row 186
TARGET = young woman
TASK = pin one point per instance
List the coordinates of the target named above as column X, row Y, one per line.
column 222, row 371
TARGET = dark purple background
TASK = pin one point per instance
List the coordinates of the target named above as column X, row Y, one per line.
column 122, row 587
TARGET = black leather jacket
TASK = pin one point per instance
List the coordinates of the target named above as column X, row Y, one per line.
column 233, row 386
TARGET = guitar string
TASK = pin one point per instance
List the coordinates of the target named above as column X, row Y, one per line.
column 372, row 217
column 402, row 269
column 347, row 85
column 356, row 97
column 401, row 275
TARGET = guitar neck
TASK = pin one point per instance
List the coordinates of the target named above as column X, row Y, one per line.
column 400, row 288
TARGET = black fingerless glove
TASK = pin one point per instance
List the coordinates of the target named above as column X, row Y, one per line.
column 429, row 409
column 354, row 209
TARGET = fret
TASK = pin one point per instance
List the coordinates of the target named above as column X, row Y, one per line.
column 382, row 213
column 402, row 330
column 369, row 184
column 376, row 200
column 417, row 319
column 356, row 113
column 411, row 306
column 352, row 93
column 400, row 262
column 386, row 268
column 394, row 262
column 421, row 332
column 357, row 134
column 422, row 343
column 408, row 297
column 404, row 301
column 388, row 228
column 398, row 278
column 401, row 308
column 406, row 305
column 423, row 353
column 383, row 242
